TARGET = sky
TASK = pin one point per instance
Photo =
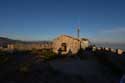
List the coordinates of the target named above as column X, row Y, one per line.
column 99, row 20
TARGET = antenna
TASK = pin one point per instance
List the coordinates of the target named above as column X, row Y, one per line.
column 78, row 28
column 78, row 32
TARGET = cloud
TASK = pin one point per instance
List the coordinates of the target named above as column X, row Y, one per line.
column 112, row 35
column 15, row 36
column 114, row 30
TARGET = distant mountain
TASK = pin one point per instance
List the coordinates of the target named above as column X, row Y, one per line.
column 4, row 40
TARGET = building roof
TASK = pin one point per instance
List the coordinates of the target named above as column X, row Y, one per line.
column 84, row 39
column 73, row 37
column 70, row 37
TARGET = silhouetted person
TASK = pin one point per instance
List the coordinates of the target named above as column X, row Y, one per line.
column 69, row 52
column 122, row 79
column 59, row 52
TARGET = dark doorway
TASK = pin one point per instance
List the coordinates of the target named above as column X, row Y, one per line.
column 64, row 47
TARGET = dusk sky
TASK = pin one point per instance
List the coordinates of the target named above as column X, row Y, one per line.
column 99, row 20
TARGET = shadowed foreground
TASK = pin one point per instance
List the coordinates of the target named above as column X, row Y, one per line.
column 90, row 70
column 29, row 68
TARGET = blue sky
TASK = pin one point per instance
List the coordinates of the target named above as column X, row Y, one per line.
column 99, row 20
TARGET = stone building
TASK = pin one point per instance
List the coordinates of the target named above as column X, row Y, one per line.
column 68, row 44
column 119, row 51
column 6, row 46
column 10, row 46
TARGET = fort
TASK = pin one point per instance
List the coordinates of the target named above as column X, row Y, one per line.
column 62, row 43
column 67, row 44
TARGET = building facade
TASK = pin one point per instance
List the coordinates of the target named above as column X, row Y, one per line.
column 67, row 44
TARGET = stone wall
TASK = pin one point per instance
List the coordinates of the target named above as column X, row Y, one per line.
column 28, row 46
column 32, row 46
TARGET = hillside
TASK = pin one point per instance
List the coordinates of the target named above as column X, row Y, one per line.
column 4, row 40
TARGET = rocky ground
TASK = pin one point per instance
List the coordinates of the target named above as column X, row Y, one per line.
column 28, row 69
column 32, row 69
column 89, row 69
